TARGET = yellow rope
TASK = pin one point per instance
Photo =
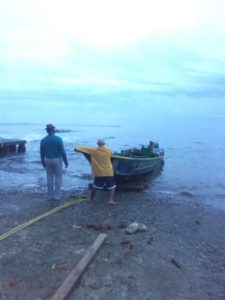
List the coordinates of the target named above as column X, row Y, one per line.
column 48, row 213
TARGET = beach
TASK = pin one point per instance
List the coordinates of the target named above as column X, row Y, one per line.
column 180, row 256
column 129, row 73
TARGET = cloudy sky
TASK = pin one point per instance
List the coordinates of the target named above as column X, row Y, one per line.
column 99, row 46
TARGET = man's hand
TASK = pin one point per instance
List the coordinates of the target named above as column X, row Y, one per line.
column 66, row 165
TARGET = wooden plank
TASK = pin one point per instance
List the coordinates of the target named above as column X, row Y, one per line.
column 67, row 286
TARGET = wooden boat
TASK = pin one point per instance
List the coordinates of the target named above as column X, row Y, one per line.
column 133, row 163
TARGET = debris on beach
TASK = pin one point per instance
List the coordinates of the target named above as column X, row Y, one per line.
column 79, row 251
column 63, row 267
column 150, row 240
column 75, row 226
column 127, row 243
column 96, row 285
column 176, row 263
column 99, row 226
column 131, row 188
column 136, row 227
column 187, row 194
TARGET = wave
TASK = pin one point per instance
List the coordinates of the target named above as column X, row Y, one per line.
column 110, row 138
column 33, row 137
column 63, row 130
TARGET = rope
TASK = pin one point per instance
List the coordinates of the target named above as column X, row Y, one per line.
column 48, row 213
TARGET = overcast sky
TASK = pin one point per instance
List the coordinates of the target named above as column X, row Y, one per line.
column 113, row 45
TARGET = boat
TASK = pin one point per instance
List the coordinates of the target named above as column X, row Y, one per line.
column 132, row 164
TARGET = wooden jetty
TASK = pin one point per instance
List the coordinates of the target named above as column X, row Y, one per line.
column 8, row 146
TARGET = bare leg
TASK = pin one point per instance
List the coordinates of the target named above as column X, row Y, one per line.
column 93, row 193
column 111, row 196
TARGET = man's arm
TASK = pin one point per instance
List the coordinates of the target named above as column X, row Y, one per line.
column 63, row 153
column 84, row 149
column 42, row 154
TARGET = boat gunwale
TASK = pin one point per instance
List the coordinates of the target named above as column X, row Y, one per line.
column 136, row 158
column 120, row 157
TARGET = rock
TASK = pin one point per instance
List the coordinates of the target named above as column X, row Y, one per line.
column 135, row 227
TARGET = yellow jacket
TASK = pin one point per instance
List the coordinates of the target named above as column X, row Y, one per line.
column 100, row 160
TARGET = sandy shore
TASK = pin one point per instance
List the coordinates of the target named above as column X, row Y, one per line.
column 180, row 256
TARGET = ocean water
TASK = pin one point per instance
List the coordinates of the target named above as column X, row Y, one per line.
column 190, row 132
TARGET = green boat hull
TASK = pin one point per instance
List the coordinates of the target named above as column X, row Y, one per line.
column 132, row 168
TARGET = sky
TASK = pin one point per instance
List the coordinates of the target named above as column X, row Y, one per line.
column 79, row 48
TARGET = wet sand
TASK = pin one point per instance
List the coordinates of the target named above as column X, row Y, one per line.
column 180, row 255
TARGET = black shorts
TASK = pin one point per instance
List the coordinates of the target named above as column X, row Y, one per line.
column 101, row 182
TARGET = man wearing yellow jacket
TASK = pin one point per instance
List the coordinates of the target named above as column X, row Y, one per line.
column 102, row 169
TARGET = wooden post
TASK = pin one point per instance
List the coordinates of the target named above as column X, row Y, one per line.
column 21, row 148
column 12, row 148
column 67, row 286
column 5, row 150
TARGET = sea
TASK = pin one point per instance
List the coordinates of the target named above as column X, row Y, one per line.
column 190, row 130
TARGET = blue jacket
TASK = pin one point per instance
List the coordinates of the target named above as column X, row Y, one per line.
column 52, row 147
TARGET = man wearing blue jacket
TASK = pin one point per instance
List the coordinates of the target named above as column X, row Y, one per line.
column 52, row 154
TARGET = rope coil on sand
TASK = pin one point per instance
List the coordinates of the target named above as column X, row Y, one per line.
column 48, row 213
